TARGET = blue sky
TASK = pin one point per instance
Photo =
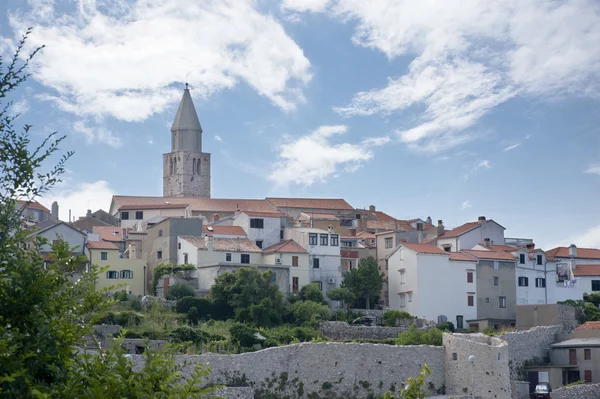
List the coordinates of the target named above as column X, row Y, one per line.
column 449, row 109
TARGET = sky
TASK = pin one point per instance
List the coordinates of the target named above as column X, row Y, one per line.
column 451, row 109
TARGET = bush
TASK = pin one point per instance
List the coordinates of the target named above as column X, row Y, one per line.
column 194, row 334
column 124, row 319
column 312, row 292
column 243, row 335
column 415, row 336
column 193, row 315
column 184, row 305
column 285, row 335
column 446, row 326
column 134, row 303
column 121, row 296
column 305, row 311
column 178, row 291
column 390, row 317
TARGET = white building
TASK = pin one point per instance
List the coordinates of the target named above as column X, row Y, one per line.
column 471, row 234
column 323, row 249
column 264, row 229
column 54, row 230
column 431, row 283
column 575, row 271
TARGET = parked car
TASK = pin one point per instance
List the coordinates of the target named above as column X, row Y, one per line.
column 367, row 321
column 542, row 391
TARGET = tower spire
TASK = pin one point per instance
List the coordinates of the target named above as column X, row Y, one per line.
column 186, row 117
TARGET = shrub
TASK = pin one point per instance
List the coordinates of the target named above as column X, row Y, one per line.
column 124, row 319
column 184, row 305
column 121, row 296
column 390, row 317
column 415, row 336
column 285, row 335
column 305, row 311
column 243, row 335
column 489, row 331
column 134, row 303
column 446, row 326
column 312, row 292
column 178, row 291
column 193, row 334
column 193, row 315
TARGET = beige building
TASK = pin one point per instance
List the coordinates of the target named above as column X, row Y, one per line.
column 124, row 273
column 291, row 254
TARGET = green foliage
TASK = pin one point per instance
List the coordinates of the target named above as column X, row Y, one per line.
column 285, row 335
column 124, row 318
column 594, row 298
column 365, row 281
column 243, row 335
column 168, row 269
column 489, row 331
column 184, row 304
column 589, row 309
column 312, row 292
column 414, row 388
column 446, row 326
column 252, row 294
column 580, row 382
column 178, row 291
column 193, row 315
column 194, row 334
column 343, row 295
column 390, row 317
column 305, row 311
column 416, row 336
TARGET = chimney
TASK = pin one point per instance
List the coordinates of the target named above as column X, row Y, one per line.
column 54, row 212
column 428, row 220
column 530, row 245
column 486, row 242
column 573, row 251
column 215, row 217
column 352, row 232
column 88, row 213
column 440, row 227
column 481, row 219
column 372, row 208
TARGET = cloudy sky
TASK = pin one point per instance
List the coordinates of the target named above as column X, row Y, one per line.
column 450, row 109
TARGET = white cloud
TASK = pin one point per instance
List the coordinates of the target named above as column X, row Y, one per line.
column 376, row 141
column 109, row 58
column 19, row 107
column 305, row 5
column 313, row 157
column 218, row 138
column 589, row 239
column 483, row 164
column 511, row 147
column 466, row 205
column 79, row 198
column 98, row 135
column 593, row 169
column 150, row 142
column 469, row 56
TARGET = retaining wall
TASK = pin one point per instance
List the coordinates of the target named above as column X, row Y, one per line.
column 584, row 391
column 342, row 331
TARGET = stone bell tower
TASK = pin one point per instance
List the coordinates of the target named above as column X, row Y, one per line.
column 186, row 169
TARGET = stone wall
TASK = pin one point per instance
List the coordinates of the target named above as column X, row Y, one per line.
column 342, row 331
column 529, row 345
column 584, row 391
column 487, row 376
column 338, row 370
column 569, row 317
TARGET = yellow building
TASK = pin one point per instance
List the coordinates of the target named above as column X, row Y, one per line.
column 127, row 273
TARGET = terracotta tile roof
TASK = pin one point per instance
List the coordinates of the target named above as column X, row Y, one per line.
column 287, row 246
column 101, row 245
column 320, row 216
column 311, row 203
column 426, row 225
column 381, row 216
column 588, row 326
column 109, row 233
column 424, row 248
column 365, row 235
column 33, row 205
column 198, row 242
column 460, row 257
column 582, row 253
column 153, row 206
column 224, row 230
column 505, row 248
column 493, row 255
column 273, row 214
column 234, row 245
column 587, row 270
column 460, row 230
column 198, row 204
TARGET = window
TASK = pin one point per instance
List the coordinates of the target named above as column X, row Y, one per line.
column 595, row 285
column 124, row 215
column 389, row 243
column 228, row 257
column 523, row 281
column 257, row 223
column 295, row 285
column 459, row 321
column 158, row 254
column 335, row 240
column 315, row 263
column 324, row 239
column 274, row 278
column 420, row 226
column 572, row 357
column 539, row 259
column 160, row 233
column 409, row 297
column 139, row 215
column 103, row 255
column 245, row 259
column 496, row 281
column 522, row 259
column 259, row 243
column 295, row 261
column 346, row 222
column 312, row 239
column 502, row 301
column 540, row 282
column 126, row 274
column 447, row 248
column 470, row 300
column 347, row 244
column 402, row 300
column 319, row 283
column 469, row 277
column 587, row 354
column 587, row 376
column 178, row 245
column 454, row 354
column 185, row 259
column 496, row 265
column 281, row 234
column 401, row 276
column 112, row 274
column 487, row 300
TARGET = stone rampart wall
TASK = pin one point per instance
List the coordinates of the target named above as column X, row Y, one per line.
column 342, row 331
column 584, row 391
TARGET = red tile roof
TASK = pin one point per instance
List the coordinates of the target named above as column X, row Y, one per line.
column 505, row 248
column 321, row 216
column 460, row 257
column 311, row 203
column 287, row 246
column 33, row 205
column 273, row 214
column 365, row 235
column 101, row 245
column 493, row 255
column 198, row 204
column 460, row 230
column 109, row 233
column 587, row 270
column 153, row 206
column 381, row 216
column 424, row 248
column 588, row 326
column 224, row 230
column 582, row 253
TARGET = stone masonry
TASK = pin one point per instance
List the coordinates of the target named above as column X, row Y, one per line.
column 342, row 331
column 584, row 391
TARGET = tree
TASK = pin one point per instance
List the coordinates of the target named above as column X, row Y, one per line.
column 364, row 281
column 312, row 292
column 178, row 291
column 250, row 296
column 343, row 295
column 305, row 311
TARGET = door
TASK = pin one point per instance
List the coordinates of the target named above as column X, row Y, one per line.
column 459, row 322
column 533, row 380
column 572, row 376
column 573, row 357
column 587, row 376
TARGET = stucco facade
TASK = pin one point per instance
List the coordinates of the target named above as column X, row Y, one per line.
column 475, row 234
column 53, row 230
column 261, row 228
column 127, row 274
column 496, row 290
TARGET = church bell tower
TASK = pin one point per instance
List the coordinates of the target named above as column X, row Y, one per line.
column 186, row 169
